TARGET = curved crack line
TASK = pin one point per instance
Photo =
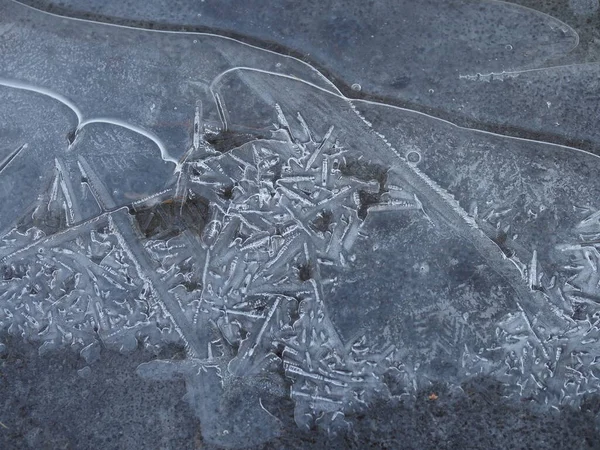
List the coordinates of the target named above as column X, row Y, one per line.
column 81, row 123
column 16, row 84
column 545, row 15
column 136, row 129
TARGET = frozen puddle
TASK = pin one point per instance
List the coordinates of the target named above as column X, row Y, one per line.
column 295, row 242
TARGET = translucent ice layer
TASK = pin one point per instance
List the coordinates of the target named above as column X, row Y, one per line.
column 493, row 65
column 172, row 188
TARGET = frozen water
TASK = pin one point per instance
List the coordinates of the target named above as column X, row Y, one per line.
column 175, row 188
column 430, row 56
column 583, row 7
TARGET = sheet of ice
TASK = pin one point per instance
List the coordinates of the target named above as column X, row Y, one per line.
column 390, row 40
column 294, row 241
column 491, row 65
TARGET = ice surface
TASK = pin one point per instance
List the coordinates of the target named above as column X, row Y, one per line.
column 176, row 188
column 494, row 65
